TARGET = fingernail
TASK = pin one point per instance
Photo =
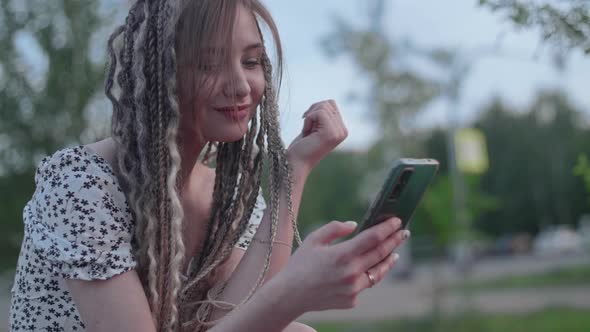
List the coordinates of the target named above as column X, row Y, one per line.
column 397, row 222
column 351, row 223
column 395, row 256
column 406, row 234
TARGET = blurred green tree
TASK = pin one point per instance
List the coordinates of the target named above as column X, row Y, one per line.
column 332, row 191
column 397, row 94
column 565, row 25
column 435, row 215
column 532, row 153
column 51, row 71
column 582, row 170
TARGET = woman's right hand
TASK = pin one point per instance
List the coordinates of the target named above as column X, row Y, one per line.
column 321, row 275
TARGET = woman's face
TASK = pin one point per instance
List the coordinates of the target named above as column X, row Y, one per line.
column 228, row 97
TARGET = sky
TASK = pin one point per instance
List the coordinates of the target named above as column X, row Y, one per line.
column 515, row 73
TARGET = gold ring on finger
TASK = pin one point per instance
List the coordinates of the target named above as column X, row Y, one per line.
column 371, row 278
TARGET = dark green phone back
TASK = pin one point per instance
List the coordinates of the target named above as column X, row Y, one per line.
column 405, row 203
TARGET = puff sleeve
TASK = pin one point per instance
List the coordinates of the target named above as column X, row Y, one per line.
column 79, row 222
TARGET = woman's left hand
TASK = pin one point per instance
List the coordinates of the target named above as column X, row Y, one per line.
column 323, row 130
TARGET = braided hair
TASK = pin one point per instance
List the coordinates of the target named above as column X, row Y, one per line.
column 157, row 38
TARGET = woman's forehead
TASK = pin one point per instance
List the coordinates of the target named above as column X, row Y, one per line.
column 245, row 35
column 239, row 47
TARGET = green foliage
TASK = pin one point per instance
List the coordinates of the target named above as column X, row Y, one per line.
column 565, row 25
column 435, row 217
column 582, row 170
column 331, row 191
column 532, row 154
column 50, row 76
column 529, row 183
column 531, row 151
column 547, row 320
column 397, row 93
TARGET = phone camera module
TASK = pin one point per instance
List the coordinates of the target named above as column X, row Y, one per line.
column 399, row 186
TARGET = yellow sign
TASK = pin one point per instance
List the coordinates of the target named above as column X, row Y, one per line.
column 471, row 151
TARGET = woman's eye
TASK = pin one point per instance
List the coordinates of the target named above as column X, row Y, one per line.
column 251, row 63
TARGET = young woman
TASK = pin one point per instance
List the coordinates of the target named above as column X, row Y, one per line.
column 138, row 233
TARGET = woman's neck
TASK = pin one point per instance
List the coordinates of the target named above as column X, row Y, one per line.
column 189, row 150
column 189, row 147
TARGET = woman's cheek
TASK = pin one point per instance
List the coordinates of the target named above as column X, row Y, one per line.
column 258, row 89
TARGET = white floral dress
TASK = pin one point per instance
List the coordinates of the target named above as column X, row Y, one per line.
column 77, row 225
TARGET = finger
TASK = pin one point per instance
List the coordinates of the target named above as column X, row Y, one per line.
column 316, row 106
column 337, row 116
column 332, row 231
column 334, row 108
column 379, row 271
column 328, row 106
column 340, row 119
column 380, row 252
column 311, row 108
column 333, row 103
column 323, row 119
column 370, row 238
column 336, row 123
column 315, row 110
column 307, row 126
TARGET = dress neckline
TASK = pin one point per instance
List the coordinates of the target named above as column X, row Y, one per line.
column 95, row 154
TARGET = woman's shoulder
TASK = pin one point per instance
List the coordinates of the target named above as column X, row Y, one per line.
column 77, row 162
column 80, row 174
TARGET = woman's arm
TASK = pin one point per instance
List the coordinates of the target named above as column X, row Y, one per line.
column 251, row 264
column 323, row 130
column 268, row 310
column 119, row 304
column 113, row 305
column 318, row 277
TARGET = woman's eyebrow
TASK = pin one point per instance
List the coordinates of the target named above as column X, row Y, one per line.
column 253, row 46
column 217, row 51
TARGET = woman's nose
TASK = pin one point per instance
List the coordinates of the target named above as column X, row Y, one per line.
column 236, row 85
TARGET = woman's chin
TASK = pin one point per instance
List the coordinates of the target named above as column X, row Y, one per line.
column 228, row 137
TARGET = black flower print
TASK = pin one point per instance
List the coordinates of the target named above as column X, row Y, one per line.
column 77, row 225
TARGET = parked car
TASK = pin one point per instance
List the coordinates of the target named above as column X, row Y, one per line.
column 508, row 244
column 558, row 239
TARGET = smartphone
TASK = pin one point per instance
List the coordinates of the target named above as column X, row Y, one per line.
column 402, row 191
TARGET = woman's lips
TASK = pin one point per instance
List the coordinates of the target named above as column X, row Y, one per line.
column 232, row 112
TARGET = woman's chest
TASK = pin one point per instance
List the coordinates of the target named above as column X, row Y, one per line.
column 196, row 200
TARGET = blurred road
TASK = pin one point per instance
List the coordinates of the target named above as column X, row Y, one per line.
column 410, row 299
column 413, row 298
column 492, row 268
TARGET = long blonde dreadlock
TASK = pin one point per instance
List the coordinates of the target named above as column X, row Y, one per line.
column 145, row 125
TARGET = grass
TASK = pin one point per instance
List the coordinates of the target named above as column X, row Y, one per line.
column 548, row 320
column 573, row 276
